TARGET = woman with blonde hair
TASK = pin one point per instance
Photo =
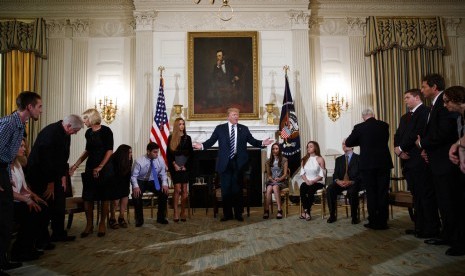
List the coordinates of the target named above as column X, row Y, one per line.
column 178, row 155
column 96, row 179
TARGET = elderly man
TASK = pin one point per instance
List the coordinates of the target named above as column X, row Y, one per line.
column 375, row 166
column 346, row 177
column 48, row 170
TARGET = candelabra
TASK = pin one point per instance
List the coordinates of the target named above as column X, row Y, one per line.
column 225, row 12
column 107, row 109
column 335, row 106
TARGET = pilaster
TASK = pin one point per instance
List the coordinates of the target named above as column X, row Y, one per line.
column 142, row 104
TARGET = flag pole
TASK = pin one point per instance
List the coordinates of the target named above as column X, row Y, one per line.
column 286, row 68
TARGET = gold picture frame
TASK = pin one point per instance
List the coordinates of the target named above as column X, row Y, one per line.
column 215, row 84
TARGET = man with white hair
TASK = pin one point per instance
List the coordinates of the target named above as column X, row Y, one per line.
column 48, row 168
column 375, row 166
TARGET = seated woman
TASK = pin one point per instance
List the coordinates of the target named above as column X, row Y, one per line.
column 122, row 162
column 276, row 172
column 312, row 173
column 29, row 212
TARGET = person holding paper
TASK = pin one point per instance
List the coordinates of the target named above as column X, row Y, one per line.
column 178, row 155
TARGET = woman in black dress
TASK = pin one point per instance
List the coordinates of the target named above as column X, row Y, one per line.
column 179, row 153
column 122, row 163
column 96, row 179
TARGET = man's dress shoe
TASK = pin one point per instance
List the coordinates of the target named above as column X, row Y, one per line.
column 435, row 242
column 410, row 231
column 455, row 251
column 240, row 218
column 11, row 265
column 376, row 227
column 64, row 238
column 331, row 219
column 162, row 221
column 225, row 218
column 355, row 221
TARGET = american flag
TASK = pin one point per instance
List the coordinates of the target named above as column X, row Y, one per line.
column 160, row 128
column 285, row 133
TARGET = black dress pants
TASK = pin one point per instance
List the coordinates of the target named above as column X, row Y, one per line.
column 6, row 213
column 231, row 190
column 352, row 193
column 427, row 221
column 307, row 194
column 138, row 203
column 376, row 183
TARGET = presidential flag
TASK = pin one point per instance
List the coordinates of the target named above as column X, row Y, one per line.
column 160, row 127
column 289, row 130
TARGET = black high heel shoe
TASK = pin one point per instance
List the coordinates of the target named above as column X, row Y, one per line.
column 85, row 233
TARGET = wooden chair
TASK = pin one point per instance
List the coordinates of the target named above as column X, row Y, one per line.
column 319, row 194
column 73, row 205
column 145, row 196
column 399, row 196
column 346, row 204
column 284, row 193
column 218, row 200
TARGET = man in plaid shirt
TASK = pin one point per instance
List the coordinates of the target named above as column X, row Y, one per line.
column 12, row 128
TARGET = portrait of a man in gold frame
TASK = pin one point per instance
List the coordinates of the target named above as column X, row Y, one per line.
column 222, row 73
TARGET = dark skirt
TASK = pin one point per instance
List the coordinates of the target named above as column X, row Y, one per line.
column 94, row 189
column 121, row 187
column 180, row 177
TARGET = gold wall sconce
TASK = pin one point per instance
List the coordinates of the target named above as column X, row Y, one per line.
column 335, row 105
column 107, row 109
column 270, row 116
column 178, row 110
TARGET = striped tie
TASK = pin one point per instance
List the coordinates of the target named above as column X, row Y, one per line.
column 232, row 140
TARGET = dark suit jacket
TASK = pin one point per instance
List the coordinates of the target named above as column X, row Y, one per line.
column 48, row 160
column 221, row 134
column 406, row 135
column 438, row 136
column 372, row 136
column 353, row 171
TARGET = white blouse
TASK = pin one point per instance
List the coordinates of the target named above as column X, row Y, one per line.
column 312, row 170
column 17, row 175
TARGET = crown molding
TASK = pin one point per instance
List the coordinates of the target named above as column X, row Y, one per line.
column 237, row 5
column 63, row 8
column 344, row 8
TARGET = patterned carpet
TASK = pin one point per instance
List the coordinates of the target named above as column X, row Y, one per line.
column 205, row 246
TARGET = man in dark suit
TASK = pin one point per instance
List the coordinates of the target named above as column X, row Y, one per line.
column 232, row 157
column 226, row 79
column 48, row 168
column 413, row 166
column 438, row 136
column 375, row 166
column 346, row 177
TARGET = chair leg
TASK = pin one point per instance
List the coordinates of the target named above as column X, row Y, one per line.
column 70, row 219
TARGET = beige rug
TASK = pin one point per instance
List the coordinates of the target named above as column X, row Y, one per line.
column 205, row 246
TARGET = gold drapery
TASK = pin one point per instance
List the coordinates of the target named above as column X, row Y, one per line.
column 401, row 51
column 22, row 48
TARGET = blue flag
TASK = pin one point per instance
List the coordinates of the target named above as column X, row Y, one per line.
column 289, row 130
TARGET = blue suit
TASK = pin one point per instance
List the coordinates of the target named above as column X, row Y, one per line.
column 230, row 170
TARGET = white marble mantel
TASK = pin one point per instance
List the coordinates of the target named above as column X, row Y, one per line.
column 260, row 132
